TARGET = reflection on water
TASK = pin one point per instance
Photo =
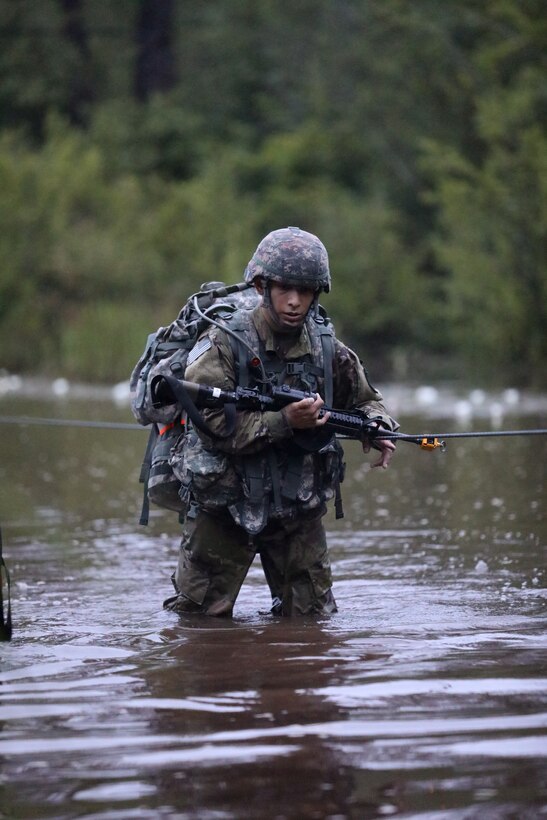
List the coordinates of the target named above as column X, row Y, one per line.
column 425, row 696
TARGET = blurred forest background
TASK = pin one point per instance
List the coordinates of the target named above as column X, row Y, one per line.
column 147, row 145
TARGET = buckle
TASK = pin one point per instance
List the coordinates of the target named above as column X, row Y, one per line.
column 295, row 368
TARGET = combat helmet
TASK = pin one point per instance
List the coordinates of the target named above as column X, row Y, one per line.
column 291, row 256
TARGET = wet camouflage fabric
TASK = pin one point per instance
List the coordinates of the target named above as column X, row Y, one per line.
column 291, row 256
column 207, row 475
column 216, row 554
column 296, row 565
column 163, row 484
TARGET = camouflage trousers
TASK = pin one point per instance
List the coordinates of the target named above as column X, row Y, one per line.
column 216, row 554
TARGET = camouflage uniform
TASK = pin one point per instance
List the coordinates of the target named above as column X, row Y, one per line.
column 228, row 526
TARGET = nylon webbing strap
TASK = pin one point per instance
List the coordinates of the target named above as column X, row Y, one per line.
column 145, row 475
column 255, row 478
column 302, row 368
column 328, row 355
column 240, row 355
column 6, row 629
column 338, row 506
column 293, row 475
column 276, row 480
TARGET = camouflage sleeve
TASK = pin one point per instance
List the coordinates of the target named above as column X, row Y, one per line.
column 353, row 390
column 254, row 430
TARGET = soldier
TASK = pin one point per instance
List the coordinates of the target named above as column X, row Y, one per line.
column 264, row 488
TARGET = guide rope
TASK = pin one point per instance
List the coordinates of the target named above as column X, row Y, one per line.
column 106, row 425
column 434, row 441
column 427, row 441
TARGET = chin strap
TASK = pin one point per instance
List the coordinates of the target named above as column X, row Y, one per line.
column 267, row 296
column 267, row 303
column 314, row 307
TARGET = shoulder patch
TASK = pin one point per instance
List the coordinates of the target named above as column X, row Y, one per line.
column 199, row 349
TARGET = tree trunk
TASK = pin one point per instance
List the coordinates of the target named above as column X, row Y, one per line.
column 155, row 65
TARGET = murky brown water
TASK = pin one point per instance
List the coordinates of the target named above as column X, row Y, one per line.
column 425, row 696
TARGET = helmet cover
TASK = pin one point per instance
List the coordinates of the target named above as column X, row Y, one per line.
column 291, row 256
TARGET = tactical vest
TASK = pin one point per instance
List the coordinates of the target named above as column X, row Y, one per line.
column 292, row 477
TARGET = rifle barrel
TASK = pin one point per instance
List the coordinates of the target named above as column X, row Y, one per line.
column 471, row 434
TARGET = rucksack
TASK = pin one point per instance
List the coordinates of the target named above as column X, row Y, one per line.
column 166, row 353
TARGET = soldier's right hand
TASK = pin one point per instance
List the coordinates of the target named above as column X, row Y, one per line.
column 304, row 414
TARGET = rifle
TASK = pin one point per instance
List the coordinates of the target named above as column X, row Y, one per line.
column 166, row 390
column 348, row 424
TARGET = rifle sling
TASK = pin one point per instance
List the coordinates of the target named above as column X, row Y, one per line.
column 186, row 402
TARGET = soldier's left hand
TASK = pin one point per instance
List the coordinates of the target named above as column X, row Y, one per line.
column 387, row 449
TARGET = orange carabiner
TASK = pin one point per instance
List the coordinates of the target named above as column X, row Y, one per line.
column 432, row 444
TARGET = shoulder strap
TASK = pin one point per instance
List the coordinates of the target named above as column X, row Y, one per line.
column 324, row 330
column 327, row 343
column 242, row 326
column 145, row 474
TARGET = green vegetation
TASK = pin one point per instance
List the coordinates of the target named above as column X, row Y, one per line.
column 147, row 145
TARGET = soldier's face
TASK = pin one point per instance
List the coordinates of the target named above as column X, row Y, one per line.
column 290, row 304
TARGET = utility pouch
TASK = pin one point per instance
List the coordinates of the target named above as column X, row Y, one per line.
column 163, row 485
column 206, row 475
